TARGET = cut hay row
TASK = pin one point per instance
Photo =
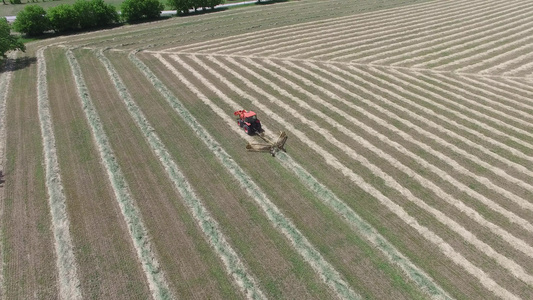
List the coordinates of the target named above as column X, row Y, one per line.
column 324, row 33
column 523, row 85
column 439, row 43
column 209, row 226
column 130, row 36
column 28, row 252
column 488, row 51
column 420, row 130
column 446, row 249
column 69, row 285
column 501, row 58
column 399, row 88
column 444, row 33
column 509, row 264
column 131, row 214
column 242, row 39
column 198, row 46
column 476, row 49
column 447, row 91
column 423, row 281
column 322, row 38
column 505, row 100
column 5, row 80
column 430, row 123
column 300, row 242
column 405, row 33
column 360, row 39
column 503, row 61
column 249, row 18
column 506, row 112
column 460, row 111
column 506, row 87
column 279, row 14
column 487, row 127
column 438, row 191
column 524, row 66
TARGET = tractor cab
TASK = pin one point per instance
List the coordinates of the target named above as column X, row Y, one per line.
column 250, row 117
column 248, row 121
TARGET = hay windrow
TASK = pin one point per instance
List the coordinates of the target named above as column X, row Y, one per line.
column 130, row 212
column 513, row 241
column 218, row 44
column 5, row 80
column 505, row 262
column 440, row 141
column 424, row 282
column 432, row 124
column 69, row 285
column 205, row 221
column 454, row 123
column 485, row 18
column 300, row 242
column 376, row 41
column 310, row 34
column 446, row 248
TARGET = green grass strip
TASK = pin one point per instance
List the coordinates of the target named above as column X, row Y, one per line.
column 209, row 226
column 132, row 216
column 302, row 245
column 69, row 285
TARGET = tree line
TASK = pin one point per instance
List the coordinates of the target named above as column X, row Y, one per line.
column 89, row 14
column 34, row 20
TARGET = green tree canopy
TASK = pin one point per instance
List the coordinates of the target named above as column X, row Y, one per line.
column 32, row 20
column 134, row 10
column 8, row 41
column 63, row 18
column 95, row 13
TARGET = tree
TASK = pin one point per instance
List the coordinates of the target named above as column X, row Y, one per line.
column 32, row 20
column 213, row 3
column 63, row 18
column 134, row 10
column 86, row 16
column 105, row 13
column 95, row 13
column 181, row 5
column 8, row 41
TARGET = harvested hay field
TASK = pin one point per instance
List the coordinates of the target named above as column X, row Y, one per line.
column 408, row 172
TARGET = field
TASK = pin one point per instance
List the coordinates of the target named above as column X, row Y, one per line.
column 408, row 172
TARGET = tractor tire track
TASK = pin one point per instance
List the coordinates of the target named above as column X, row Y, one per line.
column 215, row 236
column 302, row 245
column 439, row 242
column 423, row 281
column 139, row 235
column 69, row 285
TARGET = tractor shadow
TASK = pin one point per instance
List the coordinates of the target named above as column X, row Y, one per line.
column 20, row 63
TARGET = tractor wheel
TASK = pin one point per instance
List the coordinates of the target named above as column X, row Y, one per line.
column 247, row 129
column 239, row 122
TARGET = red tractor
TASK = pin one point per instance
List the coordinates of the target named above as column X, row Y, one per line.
column 249, row 122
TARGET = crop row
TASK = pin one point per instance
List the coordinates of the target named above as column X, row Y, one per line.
column 5, row 79
column 488, row 198
column 132, row 215
column 328, row 273
column 66, row 265
column 486, row 37
column 322, row 191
